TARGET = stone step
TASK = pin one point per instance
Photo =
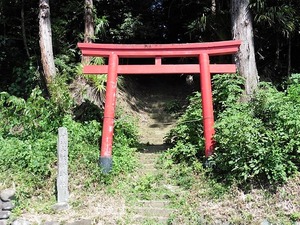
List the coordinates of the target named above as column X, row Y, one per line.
column 4, row 215
column 139, row 219
column 150, row 151
column 152, row 212
column 148, row 165
column 3, row 222
column 148, row 160
column 145, row 156
column 153, row 203
column 157, row 148
column 148, row 171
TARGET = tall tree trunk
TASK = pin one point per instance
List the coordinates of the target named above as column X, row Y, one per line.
column 83, row 91
column 23, row 30
column 89, row 31
column 213, row 7
column 289, row 55
column 46, row 42
column 242, row 29
column 277, row 66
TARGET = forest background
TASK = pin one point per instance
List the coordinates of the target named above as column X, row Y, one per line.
column 276, row 32
column 37, row 96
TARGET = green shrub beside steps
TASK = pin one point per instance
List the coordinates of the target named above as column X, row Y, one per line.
column 28, row 141
column 257, row 142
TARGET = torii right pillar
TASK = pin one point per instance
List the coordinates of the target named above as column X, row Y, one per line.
column 207, row 104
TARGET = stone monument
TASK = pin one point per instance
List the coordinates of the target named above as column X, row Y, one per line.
column 62, row 175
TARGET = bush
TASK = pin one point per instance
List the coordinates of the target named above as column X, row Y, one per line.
column 187, row 136
column 259, row 141
column 28, row 137
column 125, row 142
column 27, row 156
column 227, row 89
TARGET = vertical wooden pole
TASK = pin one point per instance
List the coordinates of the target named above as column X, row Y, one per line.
column 109, row 114
column 207, row 104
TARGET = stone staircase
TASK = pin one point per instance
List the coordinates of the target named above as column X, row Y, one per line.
column 155, row 208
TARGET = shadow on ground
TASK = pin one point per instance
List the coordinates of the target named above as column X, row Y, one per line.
column 153, row 148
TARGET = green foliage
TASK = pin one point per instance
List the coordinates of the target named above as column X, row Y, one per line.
column 28, row 137
column 27, row 141
column 256, row 141
column 61, row 99
column 187, row 136
column 183, row 175
column 247, row 151
column 26, row 78
column 259, row 141
column 101, row 25
column 98, row 81
column 125, row 141
column 295, row 78
column 25, row 118
column 173, row 107
column 28, row 156
column 282, row 15
column 295, row 216
column 184, row 152
column 187, row 129
column 128, row 28
column 126, row 128
column 227, row 89
column 294, row 89
column 65, row 64
column 28, row 133
column 145, row 185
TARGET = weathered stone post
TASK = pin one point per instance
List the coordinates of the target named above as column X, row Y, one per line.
column 62, row 176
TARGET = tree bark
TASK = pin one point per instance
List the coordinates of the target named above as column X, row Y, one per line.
column 242, row 29
column 213, row 7
column 289, row 55
column 89, row 31
column 46, row 42
column 23, row 30
column 83, row 91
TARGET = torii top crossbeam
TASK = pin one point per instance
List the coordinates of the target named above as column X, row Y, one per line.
column 163, row 50
column 157, row 51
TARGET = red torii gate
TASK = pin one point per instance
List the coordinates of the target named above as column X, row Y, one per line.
column 157, row 51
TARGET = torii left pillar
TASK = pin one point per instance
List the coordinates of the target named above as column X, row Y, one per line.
column 109, row 114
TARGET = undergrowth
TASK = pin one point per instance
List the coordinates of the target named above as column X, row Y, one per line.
column 253, row 174
column 187, row 136
column 256, row 142
column 28, row 143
